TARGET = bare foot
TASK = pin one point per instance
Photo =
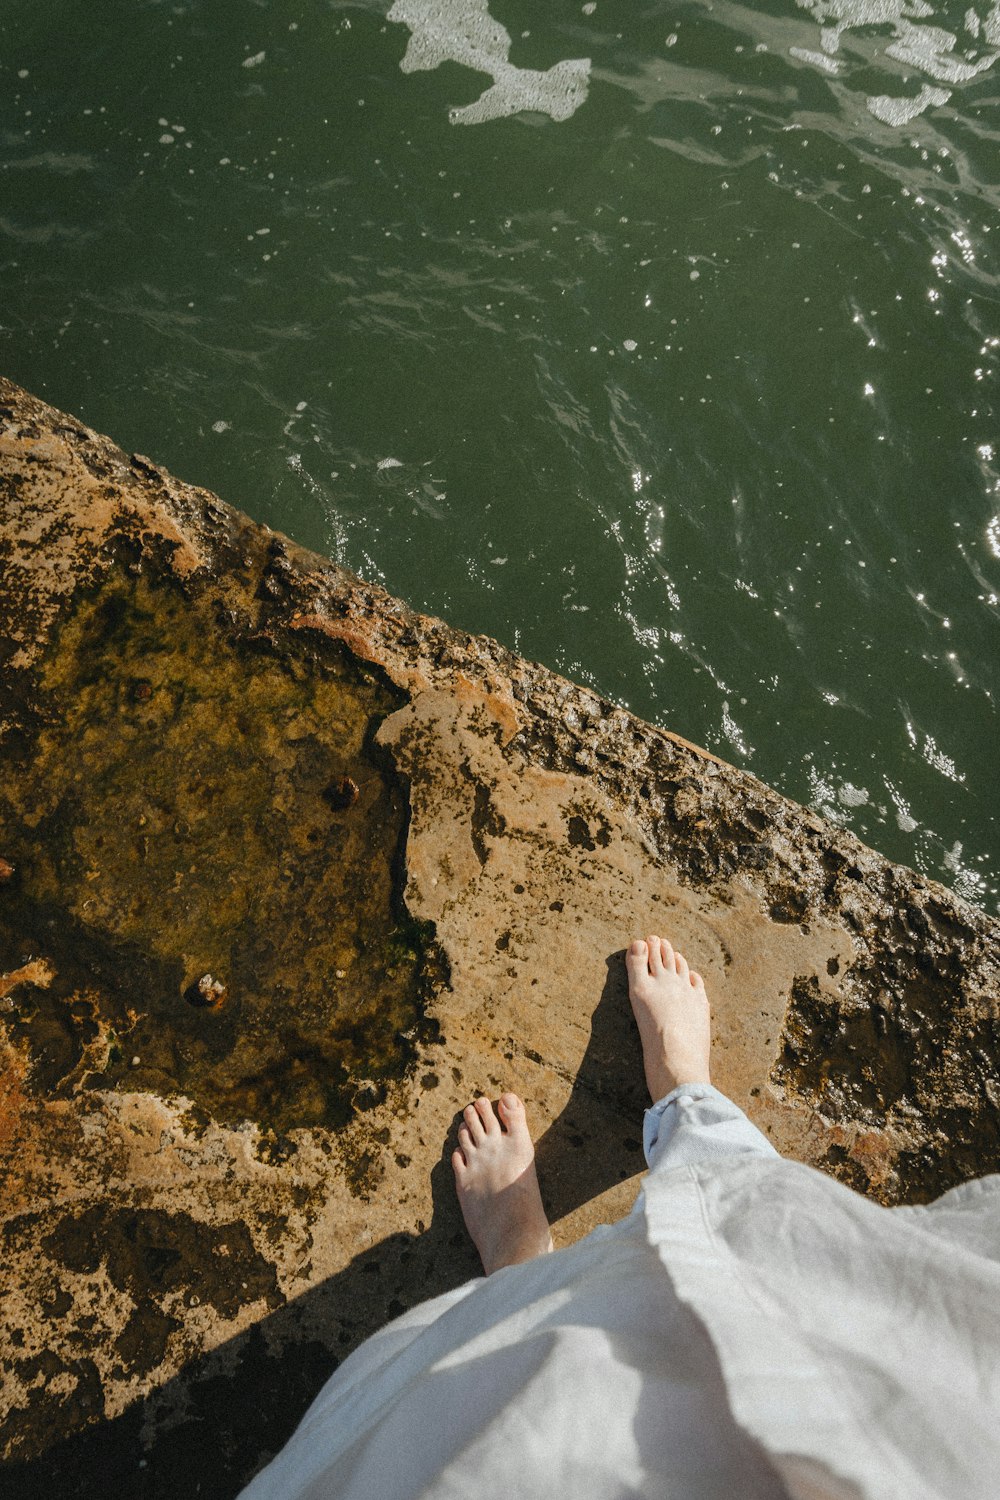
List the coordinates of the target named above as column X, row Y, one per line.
column 497, row 1187
column 672, row 1012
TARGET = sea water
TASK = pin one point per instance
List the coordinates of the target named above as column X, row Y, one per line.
column 658, row 340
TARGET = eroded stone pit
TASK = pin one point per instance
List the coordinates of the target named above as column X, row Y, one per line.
column 178, row 826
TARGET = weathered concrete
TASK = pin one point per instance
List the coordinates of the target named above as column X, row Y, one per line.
column 288, row 873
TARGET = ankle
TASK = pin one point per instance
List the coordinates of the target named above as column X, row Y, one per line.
column 663, row 1077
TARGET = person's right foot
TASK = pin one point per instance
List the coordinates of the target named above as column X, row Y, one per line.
column 672, row 1012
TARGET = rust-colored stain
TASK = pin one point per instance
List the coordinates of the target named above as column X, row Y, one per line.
column 13, row 1066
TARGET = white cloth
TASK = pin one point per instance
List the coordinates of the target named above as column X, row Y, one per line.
column 753, row 1329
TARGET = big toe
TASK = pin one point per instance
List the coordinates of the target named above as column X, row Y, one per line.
column 512, row 1112
column 636, row 961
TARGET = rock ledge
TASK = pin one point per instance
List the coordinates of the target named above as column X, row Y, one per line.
column 288, row 873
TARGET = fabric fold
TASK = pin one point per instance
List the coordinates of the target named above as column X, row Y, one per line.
column 854, row 1342
column 752, row 1328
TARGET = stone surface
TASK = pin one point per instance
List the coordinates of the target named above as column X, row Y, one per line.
column 288, row 874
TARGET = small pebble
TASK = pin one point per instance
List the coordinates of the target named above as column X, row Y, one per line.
column 209, row 992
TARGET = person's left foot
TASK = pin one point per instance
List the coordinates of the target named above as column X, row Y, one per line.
column 497, row 1186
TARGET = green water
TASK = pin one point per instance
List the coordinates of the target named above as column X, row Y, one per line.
column 689, row 394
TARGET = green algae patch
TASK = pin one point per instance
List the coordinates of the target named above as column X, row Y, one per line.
column 206, row 850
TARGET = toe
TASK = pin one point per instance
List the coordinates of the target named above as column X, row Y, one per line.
column 655, row 956
column 511, row 1109
column 512, row 1114
column 668, row 956
column 682, row 966
column 465, row 1141
column 489, row 1121
column 458, row 1164
column 695, row 979
column 473, row 1123
column 636, row 962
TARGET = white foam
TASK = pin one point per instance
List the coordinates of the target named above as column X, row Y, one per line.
column 818, row 59
column 892, row 111
column 388, row 463
column 966, row 881
column 463, row 31
column 855, row 13
column 905, row 820
column 930, row 49
column 936, row 757
column 734, row 734
column 993, row 534
column 255, row 61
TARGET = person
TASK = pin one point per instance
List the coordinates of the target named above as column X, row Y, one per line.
column 752, row 1328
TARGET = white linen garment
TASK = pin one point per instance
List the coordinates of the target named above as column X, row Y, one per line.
column 753, row 1329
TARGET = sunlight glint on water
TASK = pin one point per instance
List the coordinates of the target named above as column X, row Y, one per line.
column 681, row 380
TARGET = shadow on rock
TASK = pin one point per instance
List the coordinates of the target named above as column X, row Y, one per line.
column 597, row 1140
column 210, row 1428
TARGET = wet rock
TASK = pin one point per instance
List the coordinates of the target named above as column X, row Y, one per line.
column 292, row 863
column 342, row 793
